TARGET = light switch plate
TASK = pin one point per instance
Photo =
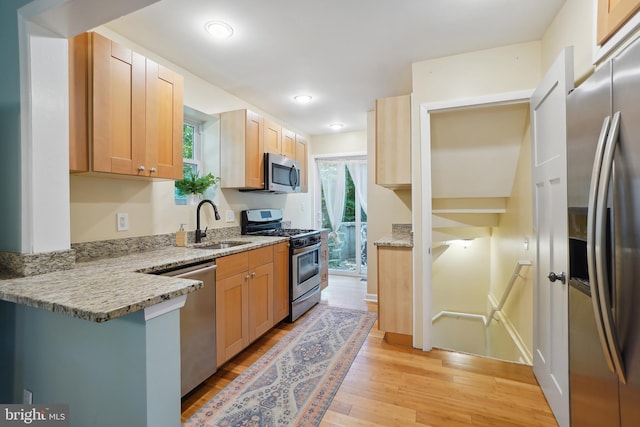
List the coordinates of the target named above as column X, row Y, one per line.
column 122, row 221
column 231, row 217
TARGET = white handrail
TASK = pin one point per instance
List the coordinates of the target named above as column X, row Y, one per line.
column 458, row 314
column 516, row 273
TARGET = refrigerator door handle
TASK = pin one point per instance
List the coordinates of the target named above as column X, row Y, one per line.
column 601, row 246
column 591, row 231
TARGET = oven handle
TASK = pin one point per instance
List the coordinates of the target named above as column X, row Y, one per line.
column 310, row 294
column 306, row 249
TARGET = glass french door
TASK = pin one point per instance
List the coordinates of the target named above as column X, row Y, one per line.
column 343, row 211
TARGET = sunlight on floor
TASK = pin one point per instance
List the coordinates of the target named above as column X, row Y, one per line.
column 345, row 291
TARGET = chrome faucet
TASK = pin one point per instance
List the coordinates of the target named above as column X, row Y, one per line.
column 199, row 233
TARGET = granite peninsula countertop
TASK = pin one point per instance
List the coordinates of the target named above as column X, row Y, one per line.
column 108, row 288
column 401, row 236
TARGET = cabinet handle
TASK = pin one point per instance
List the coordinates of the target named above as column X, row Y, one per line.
column 152, row 170
column 140, row 168
column 253, row 274
column 247, row 277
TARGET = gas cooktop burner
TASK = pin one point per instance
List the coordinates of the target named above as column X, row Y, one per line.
column 289, row 232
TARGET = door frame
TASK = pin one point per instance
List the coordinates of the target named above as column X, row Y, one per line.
column 422, row 291
column 317, row 202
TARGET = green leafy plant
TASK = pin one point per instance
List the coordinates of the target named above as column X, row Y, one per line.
column 196, row 184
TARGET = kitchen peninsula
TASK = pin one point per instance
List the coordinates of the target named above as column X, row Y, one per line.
column 104, row 336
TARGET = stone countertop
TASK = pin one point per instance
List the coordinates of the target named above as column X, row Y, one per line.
column 105, row 289
column 403, row 241
column 401, row 236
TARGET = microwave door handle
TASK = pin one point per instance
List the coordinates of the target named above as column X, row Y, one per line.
column 601, row 244
column 591, row 232
column 293, row 177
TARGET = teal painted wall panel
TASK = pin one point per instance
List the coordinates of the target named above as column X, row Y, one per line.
column 10, row 157
column 123, row 372
column 98, row 369
column 163, row 370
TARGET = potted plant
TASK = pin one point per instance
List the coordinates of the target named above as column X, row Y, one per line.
column 194, row 185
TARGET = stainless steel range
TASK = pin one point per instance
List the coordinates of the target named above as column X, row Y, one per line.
column 304, row 251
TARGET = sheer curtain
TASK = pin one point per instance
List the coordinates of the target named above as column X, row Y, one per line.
column 332, row 180
column 358, row 172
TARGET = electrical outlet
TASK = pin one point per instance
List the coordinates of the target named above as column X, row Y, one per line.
column 231, row 217
column 27, row 397
column 122, row 221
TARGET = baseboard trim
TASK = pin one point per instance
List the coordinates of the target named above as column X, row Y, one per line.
column 371, row 298
column 398, row 339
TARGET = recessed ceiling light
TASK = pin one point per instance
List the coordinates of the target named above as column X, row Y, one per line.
column 219, row 29
column 336, row 126
column 302, row 99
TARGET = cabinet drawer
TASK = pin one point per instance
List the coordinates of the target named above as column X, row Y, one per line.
column 260, row 256
column 232, row 264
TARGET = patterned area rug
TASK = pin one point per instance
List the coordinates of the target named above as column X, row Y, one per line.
column 294, row 382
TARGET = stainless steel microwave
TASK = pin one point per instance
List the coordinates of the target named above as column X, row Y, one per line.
column 281, row 174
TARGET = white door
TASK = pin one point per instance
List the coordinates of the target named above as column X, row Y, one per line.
column 549, row 145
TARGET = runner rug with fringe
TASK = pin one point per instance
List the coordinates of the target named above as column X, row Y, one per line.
column 294, row 382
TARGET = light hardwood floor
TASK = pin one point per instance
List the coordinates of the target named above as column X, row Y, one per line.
column 392, row 385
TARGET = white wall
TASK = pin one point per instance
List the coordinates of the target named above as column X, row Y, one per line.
column 572, row 26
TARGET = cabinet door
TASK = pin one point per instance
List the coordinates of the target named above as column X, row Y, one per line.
column 78, row 108
column 280, row 281
column 301, row 157
column 288, row 144
column 324, row 258
column 613, row 14
column 272, row 137
column 260, row 300
column 164, row 122
column 395, row 290
column 232, row 314
column 118, row 136
column 254, row 151
column 393, row 142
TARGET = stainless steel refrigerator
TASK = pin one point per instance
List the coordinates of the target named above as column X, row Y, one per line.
column 603, row 178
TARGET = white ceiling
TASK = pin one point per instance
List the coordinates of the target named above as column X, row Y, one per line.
column 345, row 53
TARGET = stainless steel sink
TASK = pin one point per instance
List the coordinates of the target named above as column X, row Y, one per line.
column 220, row 245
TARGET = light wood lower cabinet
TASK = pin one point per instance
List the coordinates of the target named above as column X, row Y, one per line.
column 244, row 300
column 280, row 281
column 324, row 259
column 395, row 290
column 232, row 315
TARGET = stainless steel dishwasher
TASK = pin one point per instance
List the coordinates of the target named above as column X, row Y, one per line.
column 197, row 326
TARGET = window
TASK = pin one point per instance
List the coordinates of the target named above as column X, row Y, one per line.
column 191, row 152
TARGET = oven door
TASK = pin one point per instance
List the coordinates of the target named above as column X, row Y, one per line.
column 282, row 174
column 305, row 270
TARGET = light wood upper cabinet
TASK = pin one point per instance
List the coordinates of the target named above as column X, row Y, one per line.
column 288, row 144
column 241, row 149
column 280, row 281
column 395, row 290
column 164, row 121
column 393, row 142
column 272, row 137
column 301, row 157
column 125, row 111
column 613, row 14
